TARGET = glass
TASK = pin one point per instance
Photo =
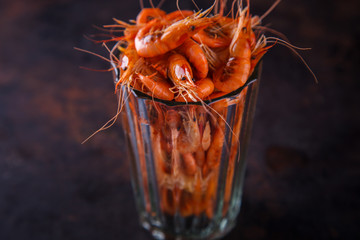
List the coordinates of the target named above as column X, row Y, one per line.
column 188, row 161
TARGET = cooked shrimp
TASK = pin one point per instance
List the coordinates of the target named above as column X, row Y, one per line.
column 216, row 34
column 180, row 73
column 196, row 57
column 189, row 137
column 236, row 71
column 130, row 63
column 214, row 151
column 206, row 137
column 200, row 157
column 157, row 37
column 215, row 56
column 201, row 90
column 160, row 63
column 148, row 14
column 189, row 163
column 158, row 86
column 213, row 154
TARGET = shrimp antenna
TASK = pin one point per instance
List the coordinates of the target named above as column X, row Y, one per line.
column 207, row 11
column 280, row 34
column 222, row 7
column 287, row 43
column 97, row 55
column 269, row 10
column 112, row 121
column 151, row 3
column 160, row 3
column 196, row 6
column 178, row 7
column 232, row 9
column 289, row 46
column 141, row 4
column 216, row 8
column 96, row 70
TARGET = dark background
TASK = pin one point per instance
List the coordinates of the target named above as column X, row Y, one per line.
column 303, row 160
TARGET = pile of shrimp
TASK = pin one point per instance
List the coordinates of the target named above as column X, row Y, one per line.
column 187, row 56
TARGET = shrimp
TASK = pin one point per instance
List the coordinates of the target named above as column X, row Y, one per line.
column 206, row 137
column 196, row 57
column 129, row 64
column 129, row 31
column 148, row 14
column 160, row 63
column 215, row 56
column 188, row 140
column 217, row 34
column 214, row 151
column 158, row 86
column 180, row 73
column 201, row 90
column 189, row 163
column 200, row 157
column 157, row 37
column 236, row 71
column 213, row 154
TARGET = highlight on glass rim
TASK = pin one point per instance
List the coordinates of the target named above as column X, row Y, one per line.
column 187, row 83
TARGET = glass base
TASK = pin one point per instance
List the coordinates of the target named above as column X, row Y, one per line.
column 185, row 226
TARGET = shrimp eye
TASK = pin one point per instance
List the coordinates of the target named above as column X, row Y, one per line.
column 192, row 28
column 124, row 68
column 244, row 29
column 183, row 78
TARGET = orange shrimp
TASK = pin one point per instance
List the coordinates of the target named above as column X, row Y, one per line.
column 214, row 151
column 129, row 64
column 188, row 140
column 201, row 90
column 129, row 31
column 200, row 157
column 217, row 34
column 206, row 137
column 217, row 94
column 213, row 155
column 180, row 72
column 258, row 52
column 196, row 57
column 158, row 86
column 236, row 71
column 157, row 37
column 189, row 163
column 160, row 63
column 148, row 14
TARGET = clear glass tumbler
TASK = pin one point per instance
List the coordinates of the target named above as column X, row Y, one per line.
column 188, row 161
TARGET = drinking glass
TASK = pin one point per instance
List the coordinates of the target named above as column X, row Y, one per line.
column 188, row 160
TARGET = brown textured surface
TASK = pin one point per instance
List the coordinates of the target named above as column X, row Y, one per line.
column 303, row 161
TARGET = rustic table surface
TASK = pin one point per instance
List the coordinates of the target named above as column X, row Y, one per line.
column 303, row 160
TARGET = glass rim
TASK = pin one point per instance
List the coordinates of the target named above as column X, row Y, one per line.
column 252, row 78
